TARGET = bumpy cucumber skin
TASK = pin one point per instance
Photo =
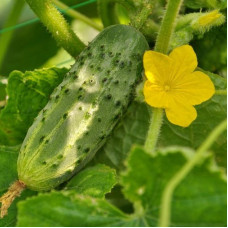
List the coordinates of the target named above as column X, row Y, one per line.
column 83, row 109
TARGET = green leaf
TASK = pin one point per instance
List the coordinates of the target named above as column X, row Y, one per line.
column 133, row 129
column 199, row 200
column 94, row 181
column 60, row 210
column 28, row 93
column 8, row 170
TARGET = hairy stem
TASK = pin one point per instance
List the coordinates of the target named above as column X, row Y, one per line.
column 11, row 20
column 74, row 14
column 154, row 130
column 165, row 215
column 57, row 25
column 167, row 26
column 138, row 19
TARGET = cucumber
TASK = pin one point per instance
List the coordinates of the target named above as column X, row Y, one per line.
column 83, row 109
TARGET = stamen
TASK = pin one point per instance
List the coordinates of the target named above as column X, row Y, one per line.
column 166, row 88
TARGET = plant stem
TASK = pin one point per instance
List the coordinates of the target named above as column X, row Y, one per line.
column 164, row 219
column 57, row 25
column 167, row 26
column 74, row 14
column 162, row 44
column 221, row 92
column 138, row 20
column 154, row 130
column 107, row 12
column 12, row 20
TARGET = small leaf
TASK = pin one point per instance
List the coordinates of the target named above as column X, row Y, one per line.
column 60, row 210
column 94, row 181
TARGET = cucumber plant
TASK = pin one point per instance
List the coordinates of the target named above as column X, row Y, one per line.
column 84, row 109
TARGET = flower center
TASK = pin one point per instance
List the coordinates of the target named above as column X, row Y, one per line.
column 167, row 88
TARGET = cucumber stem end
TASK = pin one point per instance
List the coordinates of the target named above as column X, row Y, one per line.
column 7, row 199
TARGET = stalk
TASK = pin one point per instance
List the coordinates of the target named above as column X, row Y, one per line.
column 57, row 25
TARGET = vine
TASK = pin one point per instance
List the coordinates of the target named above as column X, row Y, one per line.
column 57, row 25
column 164, row 219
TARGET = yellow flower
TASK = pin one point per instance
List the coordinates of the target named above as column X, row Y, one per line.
column 174, row 86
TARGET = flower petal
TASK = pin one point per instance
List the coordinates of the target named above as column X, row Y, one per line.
column 155, row 95
column 157, row 66
column 195, row 88
column 185, row 60
column 181, row 114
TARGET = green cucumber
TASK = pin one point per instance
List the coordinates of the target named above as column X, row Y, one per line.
column 83, row 109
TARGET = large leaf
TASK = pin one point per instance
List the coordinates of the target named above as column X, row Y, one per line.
column 60, row 210
column 200, row 200
column 28, row 93
column 94, row 181
column 8, row 171
column 134, row 126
